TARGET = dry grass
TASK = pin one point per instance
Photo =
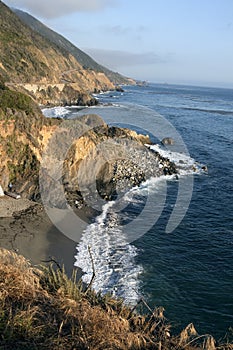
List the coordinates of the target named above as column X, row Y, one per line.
column 44, row 309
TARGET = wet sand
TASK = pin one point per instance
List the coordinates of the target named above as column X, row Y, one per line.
column 26, row 229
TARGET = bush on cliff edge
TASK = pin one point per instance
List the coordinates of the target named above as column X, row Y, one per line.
column 44, row 309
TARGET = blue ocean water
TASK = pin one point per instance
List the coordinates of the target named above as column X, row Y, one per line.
column 190, row 270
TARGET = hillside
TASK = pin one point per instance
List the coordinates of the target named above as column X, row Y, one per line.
column 30, row 62
column 25, row 134
column 23, row 129
column 84, row 59
column 44, row 309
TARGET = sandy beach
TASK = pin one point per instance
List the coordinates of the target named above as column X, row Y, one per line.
column 10, row 205
column 26, row 229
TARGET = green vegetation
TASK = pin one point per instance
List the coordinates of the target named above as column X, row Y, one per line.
column 2, row 83
column 22, row 109
column 21, row 122
column 15, row 100
column 44, row 309
column 63, row 44
column 27, row 164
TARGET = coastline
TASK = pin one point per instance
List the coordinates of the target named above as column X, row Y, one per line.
column 59, row 247
column 26, row 229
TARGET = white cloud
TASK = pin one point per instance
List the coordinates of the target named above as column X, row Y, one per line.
column 116, row 30
column 116, row 59
column 119, row 30
column 57, row 8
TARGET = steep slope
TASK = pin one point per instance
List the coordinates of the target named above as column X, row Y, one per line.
column 60, row 41
column 23, row 132
column 42, row 308
column 26, row 57
column 112, row 154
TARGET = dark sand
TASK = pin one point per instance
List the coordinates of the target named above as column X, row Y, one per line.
column 26, row 229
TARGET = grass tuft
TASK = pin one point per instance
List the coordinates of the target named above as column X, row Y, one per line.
column 44, row 309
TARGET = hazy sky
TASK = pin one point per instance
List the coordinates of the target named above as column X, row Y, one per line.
column 173, row 41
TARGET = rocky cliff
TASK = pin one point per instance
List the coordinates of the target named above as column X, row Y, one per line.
column 52, row 74
column 94, row 158
column 23, row 134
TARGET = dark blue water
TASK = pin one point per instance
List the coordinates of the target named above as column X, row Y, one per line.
column 190, row 271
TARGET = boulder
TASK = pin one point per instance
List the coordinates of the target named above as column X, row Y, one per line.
column 167, row 141
column 205, row 168
column 119, row 89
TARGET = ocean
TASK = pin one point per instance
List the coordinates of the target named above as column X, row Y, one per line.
column 170, row 240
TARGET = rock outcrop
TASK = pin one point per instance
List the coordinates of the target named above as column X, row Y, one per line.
column 102, row 162
column 167, row 141
column 56, row 94
column 84, row 156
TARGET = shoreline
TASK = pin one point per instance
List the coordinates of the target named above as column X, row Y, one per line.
column 26, row 229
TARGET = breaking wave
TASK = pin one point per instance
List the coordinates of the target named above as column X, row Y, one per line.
column 115, row 260
column 113, row 257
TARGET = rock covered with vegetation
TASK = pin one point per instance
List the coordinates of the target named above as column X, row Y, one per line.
column 117, row 156
column 49, row 68
column 23, row 129
column 85, row 60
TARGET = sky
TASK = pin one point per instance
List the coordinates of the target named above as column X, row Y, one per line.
column 164, row 41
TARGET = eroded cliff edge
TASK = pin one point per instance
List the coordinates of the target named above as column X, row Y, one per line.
column 92, row 157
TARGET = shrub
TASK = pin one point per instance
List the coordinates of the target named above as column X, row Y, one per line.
column 15, row 100
column 44, row 309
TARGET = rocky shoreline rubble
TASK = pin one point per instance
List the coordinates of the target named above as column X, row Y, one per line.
column 140, row 165
column 104, row 162
column 91, row 157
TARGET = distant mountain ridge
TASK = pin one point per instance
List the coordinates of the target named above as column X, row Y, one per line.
column 85, row 60
column 47, row 66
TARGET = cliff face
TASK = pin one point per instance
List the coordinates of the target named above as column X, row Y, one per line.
column 24, row 132
column 58, row 94
column 94, row 159
column 27, row 59
column 108, row 161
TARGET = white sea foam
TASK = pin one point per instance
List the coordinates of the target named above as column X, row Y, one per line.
column 104, row 106
column 62, row 112
column 185, row 164
column 55, row 112
column 151, row 185
column 114, row 259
